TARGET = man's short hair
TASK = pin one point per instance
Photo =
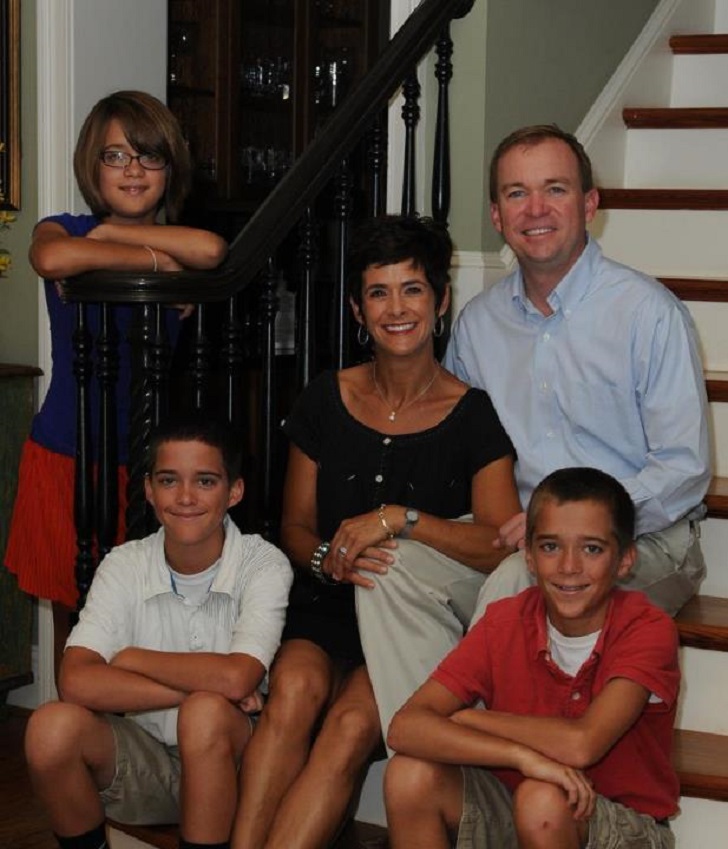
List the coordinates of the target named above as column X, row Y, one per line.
column 391, row 239
column 582, row 483
column 196, row 427
column 530, row 137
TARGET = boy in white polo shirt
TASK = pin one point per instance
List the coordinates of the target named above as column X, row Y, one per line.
column 177, row 633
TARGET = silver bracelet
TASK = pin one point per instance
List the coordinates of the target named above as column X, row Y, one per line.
column 317, row 558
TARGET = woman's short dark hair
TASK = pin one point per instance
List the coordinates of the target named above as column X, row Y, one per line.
column 530, row 137
column 582, row 483
column 391, row 239
column 150, row 128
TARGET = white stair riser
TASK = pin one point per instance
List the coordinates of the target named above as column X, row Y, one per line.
column 666, row 243
column 714, row 542
column 704, row 695
column 699, row 80
column 676, row 159
column 718, row 428
column 701, row 824
column 711, row 321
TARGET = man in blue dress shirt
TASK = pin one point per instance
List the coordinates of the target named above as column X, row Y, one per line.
column 588, row 363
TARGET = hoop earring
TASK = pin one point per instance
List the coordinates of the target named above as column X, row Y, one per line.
column 439, row 327
column 362, row 338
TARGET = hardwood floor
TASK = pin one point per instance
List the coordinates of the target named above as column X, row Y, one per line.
column 23, row 824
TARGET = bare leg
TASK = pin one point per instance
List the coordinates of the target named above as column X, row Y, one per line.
column 315, row 805
column 301, row 683
column 61, row 630
column 71, row 756
column 212, row 734
column 424, row 803
column 543, row 818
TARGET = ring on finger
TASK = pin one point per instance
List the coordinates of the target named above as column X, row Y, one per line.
column 343, row 550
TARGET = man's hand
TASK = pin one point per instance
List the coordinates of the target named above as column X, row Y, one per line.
column 252, row 703
column 512, row 534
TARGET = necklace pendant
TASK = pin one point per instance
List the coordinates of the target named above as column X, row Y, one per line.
column 392, row 416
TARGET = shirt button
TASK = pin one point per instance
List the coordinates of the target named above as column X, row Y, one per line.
column 567, row 313
column 546, row 337
column 386, row 440
column 550, row 434
column 378, row 478
column 576, row 696
column 544, row 386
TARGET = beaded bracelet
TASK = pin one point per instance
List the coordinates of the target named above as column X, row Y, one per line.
column 317, row 558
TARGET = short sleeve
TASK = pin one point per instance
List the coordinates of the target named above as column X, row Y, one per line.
column 304, row 425
column 483, row 433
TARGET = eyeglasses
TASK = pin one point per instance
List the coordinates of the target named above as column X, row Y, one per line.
column 122, row 159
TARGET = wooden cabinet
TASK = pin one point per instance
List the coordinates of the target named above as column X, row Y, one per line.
column 253, row 81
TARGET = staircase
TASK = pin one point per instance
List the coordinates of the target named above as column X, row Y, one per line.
column 668, row 216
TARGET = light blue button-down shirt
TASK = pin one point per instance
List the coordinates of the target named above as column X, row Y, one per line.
column 611, row 379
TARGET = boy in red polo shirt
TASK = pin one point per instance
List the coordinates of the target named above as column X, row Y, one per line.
column 580, row 679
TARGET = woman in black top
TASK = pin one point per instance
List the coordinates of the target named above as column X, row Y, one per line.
column 395, row 447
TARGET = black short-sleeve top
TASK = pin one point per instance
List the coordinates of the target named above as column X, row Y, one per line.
column 359, row 468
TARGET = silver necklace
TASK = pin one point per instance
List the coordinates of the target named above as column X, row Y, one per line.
column 395, row 412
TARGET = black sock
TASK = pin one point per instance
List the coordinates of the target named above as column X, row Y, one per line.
column 94, row 839
column 186, row 844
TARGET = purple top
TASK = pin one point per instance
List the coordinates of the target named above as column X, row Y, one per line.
column 54, row 427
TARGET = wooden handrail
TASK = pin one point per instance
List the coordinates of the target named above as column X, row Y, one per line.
column 296, row 191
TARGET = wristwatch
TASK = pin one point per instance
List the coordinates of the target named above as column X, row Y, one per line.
column 411, row 518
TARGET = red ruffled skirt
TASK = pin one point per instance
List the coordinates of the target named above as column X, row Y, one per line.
column 41, row 549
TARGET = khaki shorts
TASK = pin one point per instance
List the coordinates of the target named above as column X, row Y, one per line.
column 487, row 821
column 145, row 787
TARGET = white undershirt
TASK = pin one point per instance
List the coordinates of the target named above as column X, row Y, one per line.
column 570, row 653
column 193, row 589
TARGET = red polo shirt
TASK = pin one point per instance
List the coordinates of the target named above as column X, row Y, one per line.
column 505, row 661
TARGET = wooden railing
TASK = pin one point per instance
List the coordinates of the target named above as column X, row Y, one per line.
column 339, row 179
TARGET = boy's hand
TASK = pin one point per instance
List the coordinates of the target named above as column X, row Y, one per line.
column 252, row 703
column 580, row 794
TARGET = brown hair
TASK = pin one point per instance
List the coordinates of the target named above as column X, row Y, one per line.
column 530, row 137
column 150, row 128
column 585, row 484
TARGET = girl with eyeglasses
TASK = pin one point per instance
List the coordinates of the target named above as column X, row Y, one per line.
column 131, row 163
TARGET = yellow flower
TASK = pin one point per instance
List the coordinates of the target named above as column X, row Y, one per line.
column 5, row 261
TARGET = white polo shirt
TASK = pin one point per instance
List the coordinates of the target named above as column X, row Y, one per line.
column 132, row 603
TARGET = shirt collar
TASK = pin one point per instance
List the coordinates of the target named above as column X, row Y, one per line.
column 571, row 289
column 542, row 637
column 156, row 578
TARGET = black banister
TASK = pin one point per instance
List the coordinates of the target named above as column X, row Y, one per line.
column 287, row 203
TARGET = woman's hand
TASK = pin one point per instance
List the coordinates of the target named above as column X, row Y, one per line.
column 360, row 545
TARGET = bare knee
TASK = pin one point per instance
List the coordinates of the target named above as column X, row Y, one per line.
column 352, row 731
column 54, row 735
column 207, row 723
column 410, row 783
column 296, row 697
column 539, row 809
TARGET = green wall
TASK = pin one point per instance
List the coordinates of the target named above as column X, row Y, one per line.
column 526, row 62
column 19, row 289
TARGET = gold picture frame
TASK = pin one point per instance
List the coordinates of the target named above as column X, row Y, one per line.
column 9, row 104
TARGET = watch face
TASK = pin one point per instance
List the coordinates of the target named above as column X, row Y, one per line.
column 412, row 517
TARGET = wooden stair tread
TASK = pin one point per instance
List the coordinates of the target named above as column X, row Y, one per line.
column 716, row 385
column 717, row 498
column 160, row 836
column 703, row 623
column 697, row 288
column 676, row 118
column 701, row 761
column 708, row 43
column 356, row 835
column 700, row 199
